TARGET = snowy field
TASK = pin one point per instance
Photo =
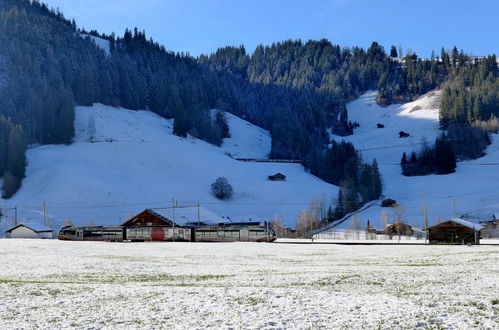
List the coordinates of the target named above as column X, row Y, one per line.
column 55, row 284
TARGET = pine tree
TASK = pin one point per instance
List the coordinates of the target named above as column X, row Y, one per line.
column 377, row 183
column 444, row 156
column 221, row 122
column 11, row 184
column 403, row 164
column 393, row 52
column 16, row 161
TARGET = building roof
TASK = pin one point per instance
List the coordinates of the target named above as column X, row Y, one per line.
column 277, row 176
column 185, row 215
column 464, row 223
column 36, row 227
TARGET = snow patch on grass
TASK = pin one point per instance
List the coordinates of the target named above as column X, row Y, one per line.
column 246, row 285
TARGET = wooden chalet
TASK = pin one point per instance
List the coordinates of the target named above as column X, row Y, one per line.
column 148, row 217
column 277, row 177
column 455, row 231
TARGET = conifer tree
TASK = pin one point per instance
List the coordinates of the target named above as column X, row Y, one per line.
column 393, row 52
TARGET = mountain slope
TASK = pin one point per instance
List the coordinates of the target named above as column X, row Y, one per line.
column 471, row 191
column 123, row 161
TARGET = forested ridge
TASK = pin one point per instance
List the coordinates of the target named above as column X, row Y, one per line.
column 297, row 90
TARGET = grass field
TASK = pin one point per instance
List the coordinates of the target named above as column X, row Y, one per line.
column 56, row 284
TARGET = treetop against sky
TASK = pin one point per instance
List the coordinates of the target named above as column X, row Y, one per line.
column 199, row 27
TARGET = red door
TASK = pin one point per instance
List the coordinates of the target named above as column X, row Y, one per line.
column 157, row 234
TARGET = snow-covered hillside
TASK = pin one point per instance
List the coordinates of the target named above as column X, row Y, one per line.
column 123, row 161
column 470, row 191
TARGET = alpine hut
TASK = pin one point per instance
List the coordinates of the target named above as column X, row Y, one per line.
column 455, row 231
column 277, row 177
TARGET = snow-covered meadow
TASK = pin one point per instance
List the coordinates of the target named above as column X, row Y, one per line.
column 470, row 191
column 56, row 284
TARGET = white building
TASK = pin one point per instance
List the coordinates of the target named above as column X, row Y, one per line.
column 29, row 230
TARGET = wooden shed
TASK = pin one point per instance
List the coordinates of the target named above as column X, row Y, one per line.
column 277, row 177
column 455, row 231
column 148, row 217
column 29, row 230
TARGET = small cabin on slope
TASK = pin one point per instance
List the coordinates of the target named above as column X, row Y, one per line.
column 455, row 231
column 29, row 230
column 403, row 134
column 277, row 177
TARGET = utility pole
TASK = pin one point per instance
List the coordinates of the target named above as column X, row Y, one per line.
column 425, row 211
column 267, row 223
column 199, row 217
column 173, row 237
column 453, row 208
column 46, row 219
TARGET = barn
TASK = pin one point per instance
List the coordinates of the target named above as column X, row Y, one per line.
column 455, row 231
column 29, row 230
column 167, row 216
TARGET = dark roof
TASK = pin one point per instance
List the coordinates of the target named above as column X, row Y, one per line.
column 462, row 222
column 36, row 227
column 167, row 221
column 277, row 176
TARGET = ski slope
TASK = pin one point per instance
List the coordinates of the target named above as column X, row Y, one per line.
column 124, row 161
column 470, row 192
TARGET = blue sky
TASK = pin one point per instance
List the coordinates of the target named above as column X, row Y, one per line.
column 203, row 26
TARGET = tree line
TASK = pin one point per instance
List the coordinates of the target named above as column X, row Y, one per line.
column 469, row 108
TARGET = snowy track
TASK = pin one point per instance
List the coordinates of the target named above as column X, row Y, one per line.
column 54, row 284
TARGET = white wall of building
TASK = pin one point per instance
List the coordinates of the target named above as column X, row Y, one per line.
column 23, row 232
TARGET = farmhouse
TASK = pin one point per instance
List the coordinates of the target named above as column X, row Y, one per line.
column 29, row 230
column 277, row 177
column 455, row 231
